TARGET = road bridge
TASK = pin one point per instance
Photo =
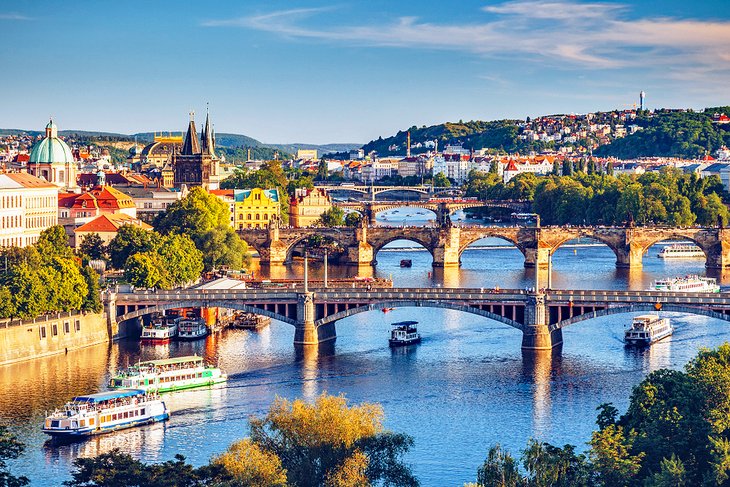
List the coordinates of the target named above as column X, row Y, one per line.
column 442, row 207
column 374, row 190
column 539, row 316
column 446, row 243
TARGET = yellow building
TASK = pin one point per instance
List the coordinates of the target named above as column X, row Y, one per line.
column 307, row 205
column 254, row 208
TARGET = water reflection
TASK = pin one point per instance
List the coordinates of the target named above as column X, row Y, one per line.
column 538, row 368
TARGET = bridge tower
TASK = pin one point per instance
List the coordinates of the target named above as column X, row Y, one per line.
column 306, row 333
column 537, row 335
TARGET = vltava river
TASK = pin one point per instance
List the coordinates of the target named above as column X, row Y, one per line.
column 464, row 388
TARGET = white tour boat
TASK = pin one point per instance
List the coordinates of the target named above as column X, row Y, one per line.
column 404, row 333
column 168, row 375
column 104, row 412
column 681, row 251
column 687, row 284
column 160, row 330
column 647, row 329
column 191, row 329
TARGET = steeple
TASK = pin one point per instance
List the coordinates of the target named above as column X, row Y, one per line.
column 206, row 136
column 191, row 145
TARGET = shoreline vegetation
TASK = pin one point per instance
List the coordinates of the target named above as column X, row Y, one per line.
column 675, row 432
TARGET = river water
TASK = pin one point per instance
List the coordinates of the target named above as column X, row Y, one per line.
column 463, row 389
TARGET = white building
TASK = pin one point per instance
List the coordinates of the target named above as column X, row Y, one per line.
column 28, row 205
column 453, row 167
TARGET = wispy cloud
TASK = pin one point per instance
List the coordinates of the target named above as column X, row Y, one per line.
column 13, row 16
column 561, row 33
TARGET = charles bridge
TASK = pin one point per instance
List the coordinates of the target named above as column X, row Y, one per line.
column 446, row 242
column 540, row 316
column 423, row 191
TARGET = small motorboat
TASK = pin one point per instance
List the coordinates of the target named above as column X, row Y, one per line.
column 404, row 333
column 387, row 310
column 406, row 263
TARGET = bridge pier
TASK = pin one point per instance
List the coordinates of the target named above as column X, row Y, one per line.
column 306, row 333
column 446, row 253
column 537, row 257
column 362, row 254
column 537, row 335
column 718, row 257
column 630, row 256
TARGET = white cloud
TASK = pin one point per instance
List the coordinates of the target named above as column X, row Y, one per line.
column 560, row 33
column 13, row 16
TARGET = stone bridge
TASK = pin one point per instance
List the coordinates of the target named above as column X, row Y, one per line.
column 446, row 243
column 373, row 190
column 442, row 207
column 539, row 316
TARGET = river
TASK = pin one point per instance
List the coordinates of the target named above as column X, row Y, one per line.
column 463, row 389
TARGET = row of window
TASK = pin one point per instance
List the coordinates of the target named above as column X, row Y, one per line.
column 181, row 377
column 11, row 201
column 113, row 417
column 41, row 221
column 54, row 328
column 251, row 225
column 11, row 221
column 11, row 242
column 250, row 216
column 41, row 202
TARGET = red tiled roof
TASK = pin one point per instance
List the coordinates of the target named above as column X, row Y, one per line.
column 111, row 223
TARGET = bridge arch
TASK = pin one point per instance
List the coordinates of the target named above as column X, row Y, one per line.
column 380, row 243
column 674, row 237
column 640, row 307
column 200, row 303
column 411, row 189
column 492, row 234
column 417, row 304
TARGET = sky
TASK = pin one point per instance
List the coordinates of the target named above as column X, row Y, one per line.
column 323, row 72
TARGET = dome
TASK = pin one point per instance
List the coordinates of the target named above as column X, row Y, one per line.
column 51, row 150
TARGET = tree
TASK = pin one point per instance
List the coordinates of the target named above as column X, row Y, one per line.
column 353, row 219
column 130, row 240
column 334, row 217
column 550, row 466
column 10, row 449
column 672, row 474
column 92, row 300
column 28, row 290
column 710, row 370
column 325, row 440
column 63, row 276
column 611, row 456
column 499, row 469
column 322, row 170
column 441, row 181
column 221, row 246
column 197, row 213
column 184, row 262
column 250, row 465
column 53, row 241
column 93, row 246
column 146, row 270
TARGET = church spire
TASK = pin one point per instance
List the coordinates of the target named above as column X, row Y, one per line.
column 191, row 145
column 206, row 136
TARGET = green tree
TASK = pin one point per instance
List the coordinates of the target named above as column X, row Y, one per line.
column 353, row 219
column 28, row 290
column 315, row 442
column 221, row 246
column 7, row 303
column 130, row 240
column 197, row 213
column 334, row 217
column 63, row 276
column 146, row 270
column 672, row 474
column 53, row 241
column 93, row 246
column 322, row 171
column 10, row 449
column 550, row 466
column 250, row 465
column 499, row 469
column 441, row 181
column 92, row 300
column 184, row 262
column 611, row 457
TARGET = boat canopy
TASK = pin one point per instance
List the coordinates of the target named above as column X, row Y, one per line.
column 109, row 395
column 173, row 361
column 404, row 323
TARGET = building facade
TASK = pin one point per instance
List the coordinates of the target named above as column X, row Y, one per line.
column 28, row 205
column 255, row 208
column 307, row 205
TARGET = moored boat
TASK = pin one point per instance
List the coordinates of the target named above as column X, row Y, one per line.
column 160, row 330
column 681, row 251
column 104, row 412
column 406, row 263
column 647, row 329
column 404, row 333
column 191, row 329
column 168, row 375
column 249, row 321
column 687, row 284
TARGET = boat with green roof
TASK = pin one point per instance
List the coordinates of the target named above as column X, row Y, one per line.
column 168, row 375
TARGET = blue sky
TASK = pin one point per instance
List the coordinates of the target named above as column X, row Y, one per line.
column 319, row 72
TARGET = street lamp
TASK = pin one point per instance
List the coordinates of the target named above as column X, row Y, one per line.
column 325, row 268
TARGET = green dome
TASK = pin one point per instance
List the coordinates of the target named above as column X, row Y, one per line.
column 51, row 150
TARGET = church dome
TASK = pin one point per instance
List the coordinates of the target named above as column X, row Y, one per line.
column 51, row 150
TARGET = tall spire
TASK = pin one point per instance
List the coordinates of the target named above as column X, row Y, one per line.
column 206, row 136
column 191, row 145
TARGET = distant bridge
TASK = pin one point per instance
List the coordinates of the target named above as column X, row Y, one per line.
column 373, row 190
column 539, row 316
column 442, row 207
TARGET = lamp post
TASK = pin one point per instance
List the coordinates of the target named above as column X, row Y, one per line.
column 306, row 271
column 325, row 268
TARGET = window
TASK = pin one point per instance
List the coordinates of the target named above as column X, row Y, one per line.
column 78, row 325
column 54, row 329
column 43, row 331
column 248, row 217
column 66, row 327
